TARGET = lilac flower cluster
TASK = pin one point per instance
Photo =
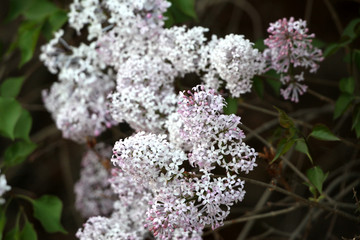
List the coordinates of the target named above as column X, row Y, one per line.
column 78, row 101
column 127, row 220
column 236, row 61
column 94, row 179
column 164, row 182
column 3, row 187
column 183, row 203
column 290, row 46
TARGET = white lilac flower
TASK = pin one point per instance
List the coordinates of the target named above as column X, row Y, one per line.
column 216, row 137
column 181, row 47
column 236, row 62
column 77, row 100
column 3, row 187
column 142, row 107
column 290, row 46
column 127, row 220
column 92, row 191
column 149, row 159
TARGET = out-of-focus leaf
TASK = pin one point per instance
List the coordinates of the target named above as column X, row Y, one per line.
column 185, row 6
column 11, row 87
column 356, row 120
column 342, row 104
column 18, row 152
column 39, row 10
column 318, row 43
column 347, row 85
column 331, row 49
column 2, row 221
column 180, row 11
column 259, row 44
column 301, row 146
column 232, row 106
column 274, row 82
column 13, row 234
column 23, row 126
column 321, row 132
column 317, row 177
column 10, row 112
column 17, row 7
column 356, row 55
column 28, row 232
column 284, row 120
column 27, row 38
column 54, row 23
column 352, row 29
column 258, row 86
column 283, row 146
column 47, row 209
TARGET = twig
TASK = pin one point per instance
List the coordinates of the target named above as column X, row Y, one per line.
column 263, row 215
column 246, row 229
column 320, row 96
column 302, row 200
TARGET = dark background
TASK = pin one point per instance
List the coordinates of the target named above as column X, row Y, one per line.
column 54, row 166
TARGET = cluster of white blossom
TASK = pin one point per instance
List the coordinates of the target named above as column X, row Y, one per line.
column 127, row 72
column 235, row 60
column 77, row 101
column 3, row 187
column 183, row 203
column 94, row 179
column 290, row 46
column 127, row 220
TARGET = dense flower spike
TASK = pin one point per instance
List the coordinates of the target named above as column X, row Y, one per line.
column 236, row 62
column 149, row 159
column 93, row 193
column 290, row 46
column 127, row 220
column 213, row 134
column 78, row 101
column 3, row 187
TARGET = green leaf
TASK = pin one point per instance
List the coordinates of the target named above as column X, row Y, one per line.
column 316, row 177
column 357, row 130
column 258, row 86
column 331, row 49
column 180, row 11
column 284, row 120
column 11, row 87
column 352, row 29
column 39, row 10
column 18, row 152
column 274, row 82
column 2, row 221
column 47, row 209
column 318, row 43
column 185, row 6
column 321, row 132
column 28, row 232
column 301, row 146
column 356, row 55
column 347, row 85
column 10, row 111
column 259, row 44
column 342, row 103
column 283, row 146
column 17, row 7
column 23, row 126
column 28, row 35
column 53, row 23
column 231, row 106
column 13, row 234
column 356, row 117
